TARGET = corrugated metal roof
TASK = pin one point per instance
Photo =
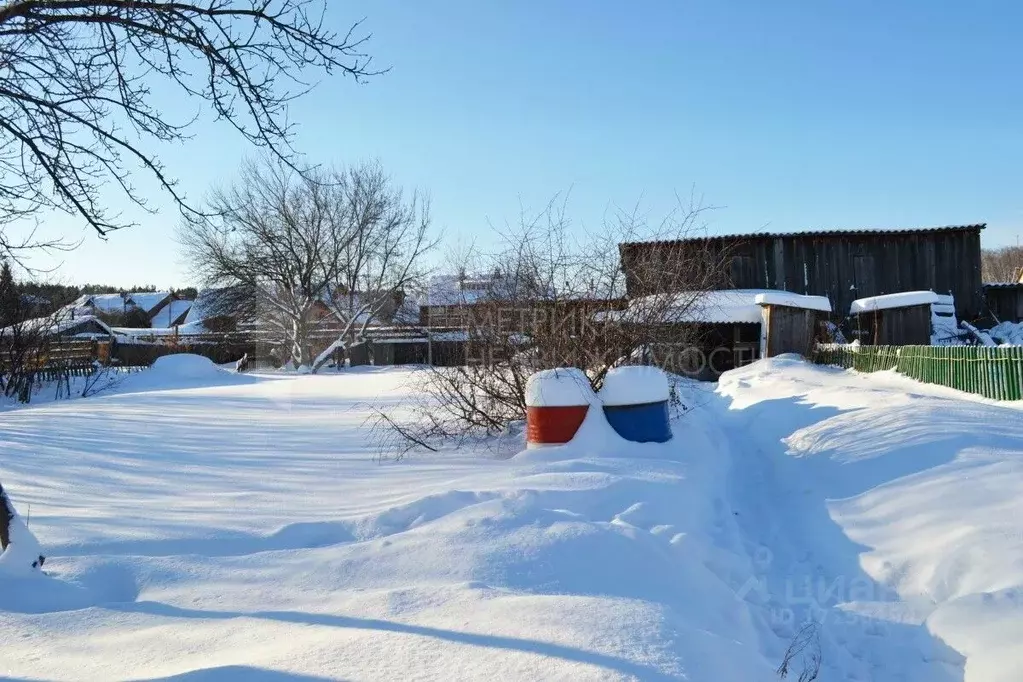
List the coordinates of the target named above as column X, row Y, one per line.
column 1003, row 285
column 817, row 233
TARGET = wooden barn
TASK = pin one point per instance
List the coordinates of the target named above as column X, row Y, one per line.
column 842, row 265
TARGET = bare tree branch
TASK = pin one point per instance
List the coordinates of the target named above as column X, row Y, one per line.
column 77, row 82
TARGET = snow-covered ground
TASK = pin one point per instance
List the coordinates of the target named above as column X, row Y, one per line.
column 223, row 527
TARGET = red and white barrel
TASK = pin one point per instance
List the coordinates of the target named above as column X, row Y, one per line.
column 557, row 401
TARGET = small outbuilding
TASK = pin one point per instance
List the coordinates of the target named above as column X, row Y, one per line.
column 734, row 327
column 790, row 321
column 902, row 319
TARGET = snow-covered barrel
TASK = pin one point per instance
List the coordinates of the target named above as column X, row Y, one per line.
column 557, row 401
column 636, row 403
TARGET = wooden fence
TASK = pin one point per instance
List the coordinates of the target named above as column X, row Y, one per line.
column 991, row 372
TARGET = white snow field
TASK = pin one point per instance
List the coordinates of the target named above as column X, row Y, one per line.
column 225, row 527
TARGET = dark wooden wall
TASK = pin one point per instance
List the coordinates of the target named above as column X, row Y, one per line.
column 790, row 330
column 841, row 266
column 909, row 326
column 1004, row 302
column 716, row 348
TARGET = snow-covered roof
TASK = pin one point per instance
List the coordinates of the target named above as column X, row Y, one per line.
column 89, row 303
column 903, row 299
column 192, row 328
column 786, row 298
column 167, row 315
column 148, row 300
column 724, row 305
column 457, row 290
column 202, row 306
column 59, row 324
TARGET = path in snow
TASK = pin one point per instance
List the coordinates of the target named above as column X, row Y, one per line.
column 889, row 510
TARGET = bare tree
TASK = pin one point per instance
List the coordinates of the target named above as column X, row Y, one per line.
column 288, row 250
column 1004, row 264
column 388, row 237
column 550, row 300
column 77, row 105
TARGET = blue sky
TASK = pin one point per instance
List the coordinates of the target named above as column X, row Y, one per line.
column 787, row 115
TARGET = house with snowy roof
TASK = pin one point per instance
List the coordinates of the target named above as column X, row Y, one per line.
column 160, row 308
column 63, row 326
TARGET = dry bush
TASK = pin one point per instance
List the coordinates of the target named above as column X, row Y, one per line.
column 24, row 346
column 803, row 654
column 550, row 299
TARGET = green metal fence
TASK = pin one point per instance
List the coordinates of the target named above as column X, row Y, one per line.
column 991, row 372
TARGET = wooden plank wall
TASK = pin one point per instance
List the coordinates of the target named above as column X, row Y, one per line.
column 842, row 267
column 1004, row 302
column 896, row 327
column 790, row 330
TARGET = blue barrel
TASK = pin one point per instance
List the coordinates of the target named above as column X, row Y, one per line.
column 636, row 403
column 646, row 423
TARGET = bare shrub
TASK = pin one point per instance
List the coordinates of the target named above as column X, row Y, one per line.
column 548, row 299
column 24, row 347
column 803, row 654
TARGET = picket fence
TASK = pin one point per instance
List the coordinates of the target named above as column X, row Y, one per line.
column 991, row 372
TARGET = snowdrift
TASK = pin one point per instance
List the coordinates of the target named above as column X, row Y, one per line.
column 211, row 533
column 912, row 494
column 182, row 370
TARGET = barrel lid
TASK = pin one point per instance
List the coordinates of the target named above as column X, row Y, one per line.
column 634, row 385
column 561, row 387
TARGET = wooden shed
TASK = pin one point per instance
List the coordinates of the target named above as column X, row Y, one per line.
column 791, row 322
column 1004, row 302
column 732, row 328
column 843, row 265
column 902, row 319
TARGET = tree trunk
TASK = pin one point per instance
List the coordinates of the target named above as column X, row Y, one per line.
column 6, row 514
column 300, row 343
